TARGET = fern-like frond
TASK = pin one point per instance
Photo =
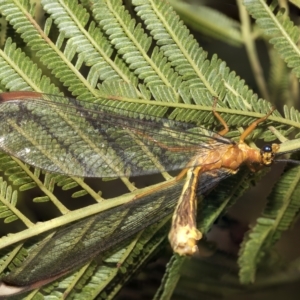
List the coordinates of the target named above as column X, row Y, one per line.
column 282, row 31
column 215, row 77
column 133, row 44
column 190, row 60
column 8, row 201
column 170, row 278
column 279, row 215
column 49, row 54
column 252, row 251
column 20, row 73
column 91, row 45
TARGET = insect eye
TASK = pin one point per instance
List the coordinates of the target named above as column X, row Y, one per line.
column 267, row 149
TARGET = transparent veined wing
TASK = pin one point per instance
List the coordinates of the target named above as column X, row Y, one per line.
column 76, row 244
column 69, row 136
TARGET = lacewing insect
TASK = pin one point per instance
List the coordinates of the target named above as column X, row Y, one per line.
column 78, row 138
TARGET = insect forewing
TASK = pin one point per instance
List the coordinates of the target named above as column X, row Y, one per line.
column 64, row 135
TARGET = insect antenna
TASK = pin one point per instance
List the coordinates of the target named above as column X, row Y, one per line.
column 288, row 160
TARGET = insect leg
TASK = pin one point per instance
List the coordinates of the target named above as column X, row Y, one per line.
column 247, row 131
column 184, row 235
column 253, row 125
column 221, row 120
